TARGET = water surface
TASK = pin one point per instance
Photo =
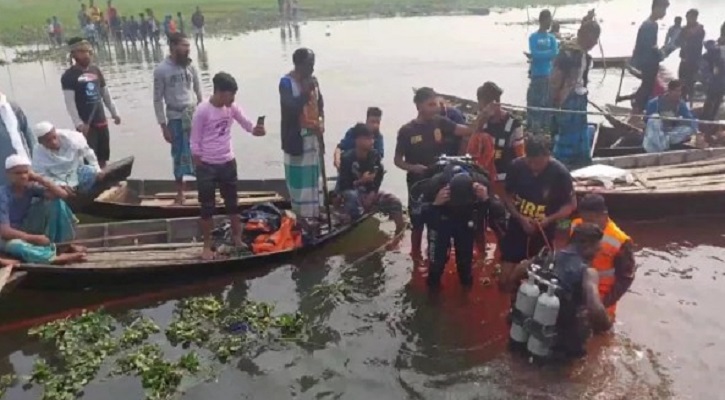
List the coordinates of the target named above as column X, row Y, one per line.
column 393, row 341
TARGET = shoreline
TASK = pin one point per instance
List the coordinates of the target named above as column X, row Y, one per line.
column 221, row 20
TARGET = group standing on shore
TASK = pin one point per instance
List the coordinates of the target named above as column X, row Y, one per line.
column 101, row 29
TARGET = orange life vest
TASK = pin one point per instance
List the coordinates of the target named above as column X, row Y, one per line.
column 603, row 262
column 286, row 238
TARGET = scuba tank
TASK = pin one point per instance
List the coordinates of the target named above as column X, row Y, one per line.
column 545, row 316
column 523, row 309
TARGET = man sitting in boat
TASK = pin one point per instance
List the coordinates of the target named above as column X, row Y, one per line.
column 614, row 261
column 361, row 174
column 500, row 138
column 663, row 130
column 372, row 121
column 64, row 157
column 34, row 219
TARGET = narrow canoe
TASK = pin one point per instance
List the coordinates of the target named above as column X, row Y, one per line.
column 137, row 199
column 135, row 252
column 676, row 183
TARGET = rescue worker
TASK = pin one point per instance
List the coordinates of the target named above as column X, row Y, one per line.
column 581, row 309
column 539, row 193
column 499, row 127
column 419, row 144
column 456, row 203
column 614, row 261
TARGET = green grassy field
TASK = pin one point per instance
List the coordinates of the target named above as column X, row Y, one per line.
column 22, row 21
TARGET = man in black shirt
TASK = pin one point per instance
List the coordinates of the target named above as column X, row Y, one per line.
column 420, row 142
column 85, row 92
column 456, row 204
column 539, row 193
column 360, row 176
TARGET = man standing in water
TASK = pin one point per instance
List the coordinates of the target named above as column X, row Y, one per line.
column 85, row 92
column 569, row 93
column 302, row 126
column 16, row 137
column 543, row 47
column 539, row 193
column 177, row 87
column 614, row 261
column 647, row 55
column 420, row 142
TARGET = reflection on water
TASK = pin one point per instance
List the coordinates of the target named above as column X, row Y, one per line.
column 390, row 340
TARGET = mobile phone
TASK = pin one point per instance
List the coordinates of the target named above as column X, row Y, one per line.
column 260, row 120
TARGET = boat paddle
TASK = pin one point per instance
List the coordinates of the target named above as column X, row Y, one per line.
column 323, row 172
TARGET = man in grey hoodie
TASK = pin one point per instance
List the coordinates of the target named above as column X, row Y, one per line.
column 16, row 136
column 177, row 91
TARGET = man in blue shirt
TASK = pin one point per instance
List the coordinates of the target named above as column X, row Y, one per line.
column 543, row 48
column 662, row 134
column 647, row 55
column 372, row 120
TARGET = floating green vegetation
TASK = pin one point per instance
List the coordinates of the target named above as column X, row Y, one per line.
column 84, row 345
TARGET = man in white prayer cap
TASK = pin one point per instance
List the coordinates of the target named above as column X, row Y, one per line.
column 34, row 217
column 61, row 156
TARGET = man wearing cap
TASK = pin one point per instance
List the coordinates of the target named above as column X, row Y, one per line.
column 615, row 259
column 455, row 203
column 34, row 218
column 61, row 156
column 15, row 134
column 85, row 93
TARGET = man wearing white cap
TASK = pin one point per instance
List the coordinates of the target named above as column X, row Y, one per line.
column 34, row 217
column 61, row 155
column 15, row 134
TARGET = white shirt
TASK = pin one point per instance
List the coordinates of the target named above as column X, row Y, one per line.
column 61, row 166
column 580, row 88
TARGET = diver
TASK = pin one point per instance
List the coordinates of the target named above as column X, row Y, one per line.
column 457, row 202
column 559, row 306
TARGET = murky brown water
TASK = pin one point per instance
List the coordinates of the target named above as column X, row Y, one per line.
column 393, row 342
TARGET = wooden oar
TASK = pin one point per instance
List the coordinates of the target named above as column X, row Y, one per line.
column 619, row 90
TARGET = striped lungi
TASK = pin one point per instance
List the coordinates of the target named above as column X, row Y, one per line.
column 303, row 177
column 571, row 141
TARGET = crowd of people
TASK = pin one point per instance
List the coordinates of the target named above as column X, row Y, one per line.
column 101, row 28
column 463, row 180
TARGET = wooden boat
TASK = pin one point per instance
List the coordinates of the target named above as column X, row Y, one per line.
column 617, row 62
column 115, row 172
column 168, row 250
column 667, row 184
column 149, row 199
